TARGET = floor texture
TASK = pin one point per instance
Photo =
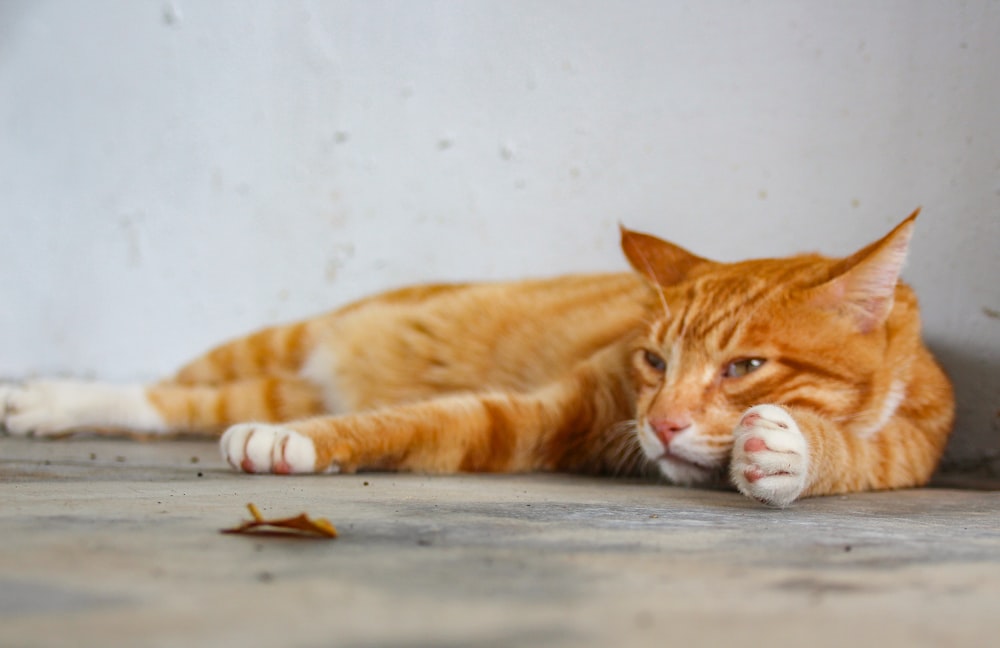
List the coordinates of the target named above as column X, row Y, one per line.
column 114, row 543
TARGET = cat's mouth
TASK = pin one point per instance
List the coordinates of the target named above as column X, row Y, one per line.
column 682, row 469
column 677, row 464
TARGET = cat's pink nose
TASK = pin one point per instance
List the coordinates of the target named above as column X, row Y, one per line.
column 668, row 427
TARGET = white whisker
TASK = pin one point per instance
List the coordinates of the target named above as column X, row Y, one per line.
column 622, row 445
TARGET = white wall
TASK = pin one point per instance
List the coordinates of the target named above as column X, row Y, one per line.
column 172, row 172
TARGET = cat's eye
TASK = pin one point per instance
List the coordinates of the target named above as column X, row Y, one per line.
column 656, row 362
column 740, row 368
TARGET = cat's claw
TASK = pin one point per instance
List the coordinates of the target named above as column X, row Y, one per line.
column 770, row 460
column 265, row 448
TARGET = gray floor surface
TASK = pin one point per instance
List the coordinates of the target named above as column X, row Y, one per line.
column 115, row 543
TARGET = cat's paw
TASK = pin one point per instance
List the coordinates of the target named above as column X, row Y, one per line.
column 265, row 448
column 6, row 403
column 61, row 407
column 43, row 408
column 770, row 460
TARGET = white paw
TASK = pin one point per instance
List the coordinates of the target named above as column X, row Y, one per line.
column 770, row 460
column 265, row 448
column 6, row 402
column 38, row 408
column 54, row 407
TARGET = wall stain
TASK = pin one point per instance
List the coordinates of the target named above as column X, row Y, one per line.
column 171, row 14
column 130, row 227
column 338, row 260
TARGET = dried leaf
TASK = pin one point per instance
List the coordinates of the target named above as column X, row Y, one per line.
column 301, row 525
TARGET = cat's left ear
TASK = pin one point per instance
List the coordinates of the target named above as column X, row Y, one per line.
column 663, row 263
column 864, row 284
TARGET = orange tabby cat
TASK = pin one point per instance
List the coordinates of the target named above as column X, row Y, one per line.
column 793, row 377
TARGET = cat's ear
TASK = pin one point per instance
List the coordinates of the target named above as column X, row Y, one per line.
column 863, row 285
column 663, row 263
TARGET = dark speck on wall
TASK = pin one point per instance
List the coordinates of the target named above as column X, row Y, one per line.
column 171, row 14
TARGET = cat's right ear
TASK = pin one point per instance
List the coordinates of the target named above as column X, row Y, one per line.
column 864, row 284
column 665, row 264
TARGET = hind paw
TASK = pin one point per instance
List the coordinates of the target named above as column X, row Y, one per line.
column 59, row 407
column 264, row 448
column 770, row 456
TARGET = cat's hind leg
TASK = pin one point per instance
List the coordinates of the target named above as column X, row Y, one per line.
column 61, row 407
column 272, row 351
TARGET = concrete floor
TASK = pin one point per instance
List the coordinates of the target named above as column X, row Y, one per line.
column 107, row 543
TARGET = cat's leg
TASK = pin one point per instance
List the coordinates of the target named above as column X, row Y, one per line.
column 782, row 454
column 255, row 377
column 770, row 460
column 568, row 425
column 272, row 351
column 465, row 433
column 60, row 407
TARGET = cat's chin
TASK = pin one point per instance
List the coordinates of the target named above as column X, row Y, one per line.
column 685, row 473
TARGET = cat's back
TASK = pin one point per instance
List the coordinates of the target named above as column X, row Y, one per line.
column 420, row 341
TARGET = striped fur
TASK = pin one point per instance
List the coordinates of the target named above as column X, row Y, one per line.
column 604, row 374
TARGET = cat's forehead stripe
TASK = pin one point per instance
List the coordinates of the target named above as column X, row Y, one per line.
column 659, row 331
column 715, row 313
column 710, row 306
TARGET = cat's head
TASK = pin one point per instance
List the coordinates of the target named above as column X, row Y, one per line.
column 827, row 335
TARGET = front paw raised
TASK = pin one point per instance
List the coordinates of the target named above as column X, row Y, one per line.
column 265, row 448
column 770, row 456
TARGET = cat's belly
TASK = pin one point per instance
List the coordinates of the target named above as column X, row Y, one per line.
column 321, row 369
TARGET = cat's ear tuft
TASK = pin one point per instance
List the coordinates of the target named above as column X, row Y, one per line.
column 864, row 284
column 663, row 263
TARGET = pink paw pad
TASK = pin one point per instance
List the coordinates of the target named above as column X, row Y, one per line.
column 770, row 460
column 262, row 448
